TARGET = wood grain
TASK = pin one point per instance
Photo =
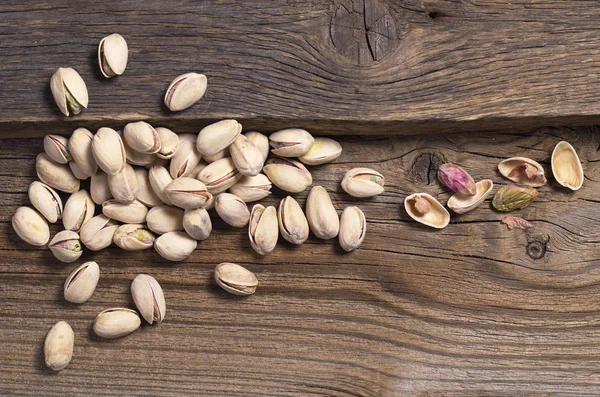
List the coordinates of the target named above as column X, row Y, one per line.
column 470, row 310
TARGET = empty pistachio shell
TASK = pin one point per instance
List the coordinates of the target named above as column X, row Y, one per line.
column 169, row 142
column 116, row 322
column 323, row 150
column 287, row 174
column 461, row 203
column 55, row 147
column 133, row 237
column 98, row 232
column 456, row 179
column 79, row 209
column 82, row 282
column 159, row 180
column 523, row 170
column 363, row 182
column 217, row 136
column 112, row 55
column 79, row 174
column 185, row 90
column 69, row 91
column 232, row 209
column 30, row 226
column 566, row 166
column 46, row 201
column 109, row 151
column 142, row 137
column 211, row 158
column 197, row 223
column 188, row 193
column 58, row 176
column 146, row 194
column 124, row 185
column 263, row 229
column 235, row 279
column 513, row 197
column 137, row 158
column 220, row 175
column 353, row 227
column 252, row 188
column 134, row 212
column 80, row 147
column 184, row 161
column 291, row 142
column 66, row 246
column 149, row 298
column 175, row 246
column 58, row 346
column 427, row 210
column 261, row 142
column 99, row 188
column 246, row 157
column 321, row 214
column 293, row 225
column 163, row 219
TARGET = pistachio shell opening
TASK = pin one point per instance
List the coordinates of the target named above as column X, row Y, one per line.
column 566, row 167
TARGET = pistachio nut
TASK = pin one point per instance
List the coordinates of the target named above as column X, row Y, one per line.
column 220, row 175
column 158, row 162
column 252, row 188
column 66, row 246
column 55, row 147
column 261, row 142
column 201, row 165
column 169, row 142
column 293, row 225
column 263, row 229
column 175, row 246
column 246, row 157
column 323, row 150
column 217, row 136
column 185, row 90
column 112, row 55
column 287, row 174
column 363, row 182
column 184, row 161
column 456, row 179
column 58, row 346
column 69, row 91
column 321, row 214
column 425, row 209
column 235, row 279
column 291, row 142
column 461, row 203
column 137, row 158
column 188, row 193
column 80, row 148
column 58, row 176
column 109, row 151
column 566, row 166
column 523, row 170
column 149, row 298
column 353, row 227
column 159, row 180
column 133, row 237
column 46, row 201
column 232, row 209
column 79, row 209
column 211, row 158
column 513, row 196
column 197, row 223
column 146, row 194
column 82, row 282
column 142, row 137
column 164, row 218
column 124, row 185
column 134, row 212
column 98, row 232
column 99, row 188
column 116, row 322
column 78, row 172
column 30, row 226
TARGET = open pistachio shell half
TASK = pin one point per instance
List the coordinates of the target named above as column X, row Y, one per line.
column 523, row 170
column 566, row 166
column 425, row 209
column 461, row 203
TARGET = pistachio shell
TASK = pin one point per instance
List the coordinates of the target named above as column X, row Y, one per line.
column 80, row 147
column 163, row 219
column 566, row 166
column 98, row 232
column 99, row 188
column 246, row 157
column 353, row 227
column 58, row 176
column 112, row 55
column 523, row 170
column 291, row 142
column 134, row 212
column 81, row 283
column 211, row 158
column 116, row 322
column 436, row 216
column 79, row 174
column 109, row 151
column 69, row 91
column 185, row 90
column 201, row 165
column 263, row 230
column 235, row 279
column 58, row 346
column 146, row 194
column 169, row 142
column 252, row 188
column 323, row 150
column 175, row 246
column 142, row 137
column 220, row 175
column 363, row 182
column 287, row 174
column 188, row 193
column 261, row 142
column 55, row 147
column 149, row 298
column 232, row 209
column 184, row 161
column 46, row 201
column 79, row 209
column 321, row 214
column 197, row 223
column 66, row 246
column 30, row 226
column 217, row 136
column 293, row 225
column 137, row 158
column 124, row 185
column 159, row 180
column 133, row 237
column 461, row 203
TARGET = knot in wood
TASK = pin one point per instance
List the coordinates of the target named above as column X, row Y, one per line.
column 425, row 166
column 537, row 247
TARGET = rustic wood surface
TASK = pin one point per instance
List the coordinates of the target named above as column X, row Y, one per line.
column 470, row 310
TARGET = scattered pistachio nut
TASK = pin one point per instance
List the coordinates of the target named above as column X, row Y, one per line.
column 197, row 223
column 112, row 55
column 461, row 203
column 169, row 142
column 159, row 180
column 246, row 157
column 137, row 158
column 291, row 142
column 263, row 229
column 188, row 193
column 78, row 172
column 287, row 174
column 220, row 175
column 116, row 322
column 134, row 212
column 109, row 151
column 523, row 170
column 175, row 246
column 79, row 209
column 513, row 196
column 124, row 185
column 30, row 226
column 146, row 194
column 456, row 179
column 149, row 298
column 435, row 216
column 235, row 279
column 81, row 283
column 186, row 158
column 133, row 237
column 98, row 232
column 58, row 346
column 164, row 219
column 211, row 158
column 321, row 214
column 142, row 137
column 69, row 91
column 353, row 227
column 293, row 225
column 217, row 136
column 80, row 148
column 55, row 147
column 46, row 201
column 566, row 167
column 66, row 246
column 232, row 209
column 363, row 182
column 252, row 188
column 99, row 189
column 53, row 174
column 323, row 150
column 185, row 90
column 261, row 142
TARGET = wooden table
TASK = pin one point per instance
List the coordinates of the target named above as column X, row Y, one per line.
column 470, row 310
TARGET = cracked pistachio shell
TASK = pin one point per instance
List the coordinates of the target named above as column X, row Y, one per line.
column 80, row 147
column 116, row 322
column 134, row 212
column 46, row 201
column 98, row 232
column 293, row 225
column 232, row 209
column 146, row 194
column 287, row 174
column 291, row 142
column 82, row 282
column 197, row 223
column 188, row 193
column 461, row 203
column 79, row 209
column 149, row 298
column 133, row 237
column 523, row 170
column 321, row 214
column 363, row 182
column 252, row 188
column 66, row 246
column 235, row 279
column 164, row 219
column 217, row 136
column 56, row 148
column 261, row 142
column 142, row 137
column 79, row 174
column 169, row 142
column 220, row 175
column 69, row 91
column 217, row 156
column 137, row 158
column 353, row 227
column 246, row 157
column 160, row 178
column 99, row 188
column 263, row 229
column 425, row 209
column 53, row 174
column 124, row 185
column 566, row 167
column 30, row 226
column 58, row 346
column 112, row 55
column 184, row 161
column 109, row 151
column 175, row 246
column 323, row 150
column 185, row 90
